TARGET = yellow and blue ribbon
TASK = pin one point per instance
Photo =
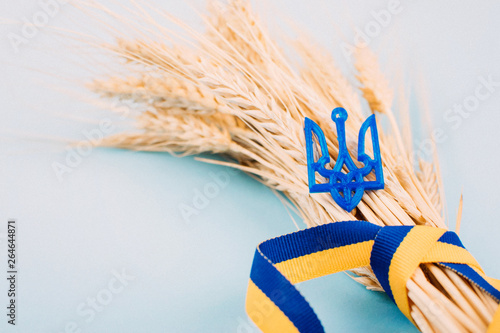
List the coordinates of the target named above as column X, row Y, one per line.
column 393, row 252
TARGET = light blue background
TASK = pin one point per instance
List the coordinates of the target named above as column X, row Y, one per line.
column 120, row 209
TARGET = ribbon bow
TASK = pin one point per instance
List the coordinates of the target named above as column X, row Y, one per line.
column 393, row 252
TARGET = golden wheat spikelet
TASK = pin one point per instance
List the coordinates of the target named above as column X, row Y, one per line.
column 232, row 91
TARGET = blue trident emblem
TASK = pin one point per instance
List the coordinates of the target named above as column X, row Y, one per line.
column 346, row 188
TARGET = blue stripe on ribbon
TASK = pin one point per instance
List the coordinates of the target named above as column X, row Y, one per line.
column 279, row 290
column 387, row 240
column 471, row 275
column 317, row 239
column 450, row 237
column 386, row 244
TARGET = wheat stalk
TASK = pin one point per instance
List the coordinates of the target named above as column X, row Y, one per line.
column 232, row 91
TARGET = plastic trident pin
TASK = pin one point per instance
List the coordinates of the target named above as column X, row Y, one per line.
column 346, row 188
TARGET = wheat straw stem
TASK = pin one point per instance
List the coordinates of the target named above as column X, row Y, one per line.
column 232, row 91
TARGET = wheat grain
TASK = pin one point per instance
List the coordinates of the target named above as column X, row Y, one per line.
column 232, row 91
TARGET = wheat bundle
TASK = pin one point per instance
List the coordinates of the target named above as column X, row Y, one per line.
column 231, row 90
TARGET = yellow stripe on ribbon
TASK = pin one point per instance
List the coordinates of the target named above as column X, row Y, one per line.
column 407, row 258
column 450, row 253
column 264, row 312
column 326, row 262
column 494, row 282
column 394, row 253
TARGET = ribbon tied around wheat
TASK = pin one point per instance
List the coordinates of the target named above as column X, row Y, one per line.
column 393, row 253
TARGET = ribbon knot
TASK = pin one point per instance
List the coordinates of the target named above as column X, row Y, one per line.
column 393, row 252
column 399, row 250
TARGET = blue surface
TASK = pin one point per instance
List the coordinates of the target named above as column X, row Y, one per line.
column 121, row 210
